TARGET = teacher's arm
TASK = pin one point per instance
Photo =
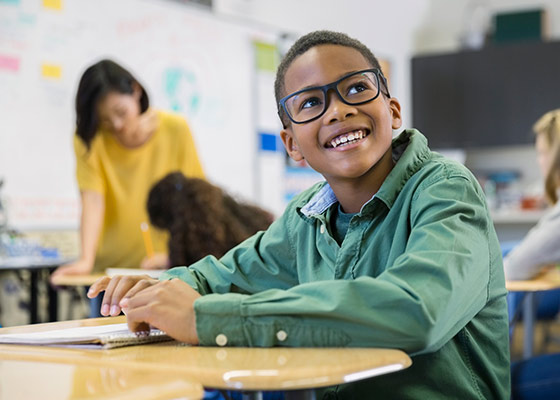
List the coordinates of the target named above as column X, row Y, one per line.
column 93, row 212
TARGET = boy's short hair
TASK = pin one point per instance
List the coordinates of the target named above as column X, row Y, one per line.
column 307, row 42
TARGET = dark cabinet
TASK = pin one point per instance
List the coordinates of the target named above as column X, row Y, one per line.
column 489, row 97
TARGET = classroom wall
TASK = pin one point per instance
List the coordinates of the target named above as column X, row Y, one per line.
column 190, row 61
column 395, row 31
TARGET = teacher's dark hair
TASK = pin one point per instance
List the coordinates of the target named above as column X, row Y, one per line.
column 99, row 79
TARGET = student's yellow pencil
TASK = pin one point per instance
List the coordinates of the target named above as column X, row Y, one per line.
column 145, row 228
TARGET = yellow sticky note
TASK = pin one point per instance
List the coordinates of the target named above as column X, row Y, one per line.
column 51, row 71
column 53, row 4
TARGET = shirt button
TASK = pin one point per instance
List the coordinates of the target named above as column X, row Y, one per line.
column 221, row 339
column 281, row 335
column 322, row 229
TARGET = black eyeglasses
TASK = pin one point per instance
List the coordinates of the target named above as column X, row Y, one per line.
column 354, row 89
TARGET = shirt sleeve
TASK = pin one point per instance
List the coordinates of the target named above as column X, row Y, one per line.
column 418, row 304
column 537, row 249
column 88, row 170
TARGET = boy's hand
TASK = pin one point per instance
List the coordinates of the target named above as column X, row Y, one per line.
column 117, row 288
column 167, row 305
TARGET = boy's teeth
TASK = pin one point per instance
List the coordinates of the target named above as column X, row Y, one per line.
column 347, row 138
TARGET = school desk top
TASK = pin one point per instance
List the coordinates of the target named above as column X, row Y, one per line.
column 217, row 367
column 547, row 280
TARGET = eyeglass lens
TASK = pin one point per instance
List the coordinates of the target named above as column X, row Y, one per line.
column 354, row 89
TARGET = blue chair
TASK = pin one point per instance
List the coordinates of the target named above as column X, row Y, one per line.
column 547, row 303
column 537, row 378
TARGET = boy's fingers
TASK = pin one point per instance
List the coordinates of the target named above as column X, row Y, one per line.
column 107, row 302
column 136, row 319
column 98, row 286
column 140, row 285
column 141, row 297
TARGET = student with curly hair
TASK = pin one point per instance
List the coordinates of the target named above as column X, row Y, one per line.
column 201, row 218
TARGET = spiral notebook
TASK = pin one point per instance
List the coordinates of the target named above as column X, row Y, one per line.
column 91, row 337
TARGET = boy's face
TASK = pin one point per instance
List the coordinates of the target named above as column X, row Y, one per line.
column 370, row 124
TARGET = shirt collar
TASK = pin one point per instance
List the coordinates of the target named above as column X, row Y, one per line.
column 410, row 151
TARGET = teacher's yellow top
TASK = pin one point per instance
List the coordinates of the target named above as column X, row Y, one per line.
column 124, row 177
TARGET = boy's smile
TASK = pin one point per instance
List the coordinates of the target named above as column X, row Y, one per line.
column 350, row 145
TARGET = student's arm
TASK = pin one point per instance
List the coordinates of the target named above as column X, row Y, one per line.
column 93, row 211
column 538, row 248
column 265, row 260
column 418, row 304
column 270, row 252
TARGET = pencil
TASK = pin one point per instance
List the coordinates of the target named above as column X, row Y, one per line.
column 145, row 228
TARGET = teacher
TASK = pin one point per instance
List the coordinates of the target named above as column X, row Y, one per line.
column 122, row 148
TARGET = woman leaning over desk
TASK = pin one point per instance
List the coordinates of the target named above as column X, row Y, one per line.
column 540, row 247
column 122, row 148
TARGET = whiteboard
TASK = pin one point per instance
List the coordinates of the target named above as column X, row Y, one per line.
column 188, row 60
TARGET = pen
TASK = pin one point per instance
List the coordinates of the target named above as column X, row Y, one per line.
column 145, row 228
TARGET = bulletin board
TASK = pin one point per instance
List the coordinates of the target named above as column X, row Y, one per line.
column 189, row 60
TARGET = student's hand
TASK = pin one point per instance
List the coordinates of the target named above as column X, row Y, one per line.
column 157, row 261
column 168, row 305
column 116, row 288
column 80, row 267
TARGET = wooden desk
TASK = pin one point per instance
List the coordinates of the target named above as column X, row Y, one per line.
column 251, row 369
column 53, row 380
column 548, row 280
column 35, row 265
column 76, row 280
column 88, row 280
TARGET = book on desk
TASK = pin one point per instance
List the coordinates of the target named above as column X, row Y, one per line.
column 90, row 337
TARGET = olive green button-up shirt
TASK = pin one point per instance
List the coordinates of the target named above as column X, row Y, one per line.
column 419, row 269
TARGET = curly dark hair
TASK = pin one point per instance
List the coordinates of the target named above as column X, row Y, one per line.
column 201, row 218
column 313, row 39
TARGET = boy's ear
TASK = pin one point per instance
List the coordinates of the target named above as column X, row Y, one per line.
column 396, row 117
column 290, row 144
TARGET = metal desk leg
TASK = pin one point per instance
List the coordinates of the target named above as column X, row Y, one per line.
column 251, row 396
column 528, row 324
column 33, row 297
column 53, row 300
column 307, row 394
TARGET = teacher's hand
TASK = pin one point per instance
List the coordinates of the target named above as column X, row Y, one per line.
column 79, row 267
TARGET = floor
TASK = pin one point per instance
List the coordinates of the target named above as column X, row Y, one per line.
column 552, row 346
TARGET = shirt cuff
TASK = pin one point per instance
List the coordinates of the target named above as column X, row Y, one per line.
column 224, row 320
column 218, row 320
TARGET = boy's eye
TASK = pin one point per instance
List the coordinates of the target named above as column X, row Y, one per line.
column 310, row 102
column 357, row 88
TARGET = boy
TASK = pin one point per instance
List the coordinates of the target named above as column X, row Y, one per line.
column 396, row 249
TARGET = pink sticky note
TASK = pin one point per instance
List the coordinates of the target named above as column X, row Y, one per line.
column 9, row 63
